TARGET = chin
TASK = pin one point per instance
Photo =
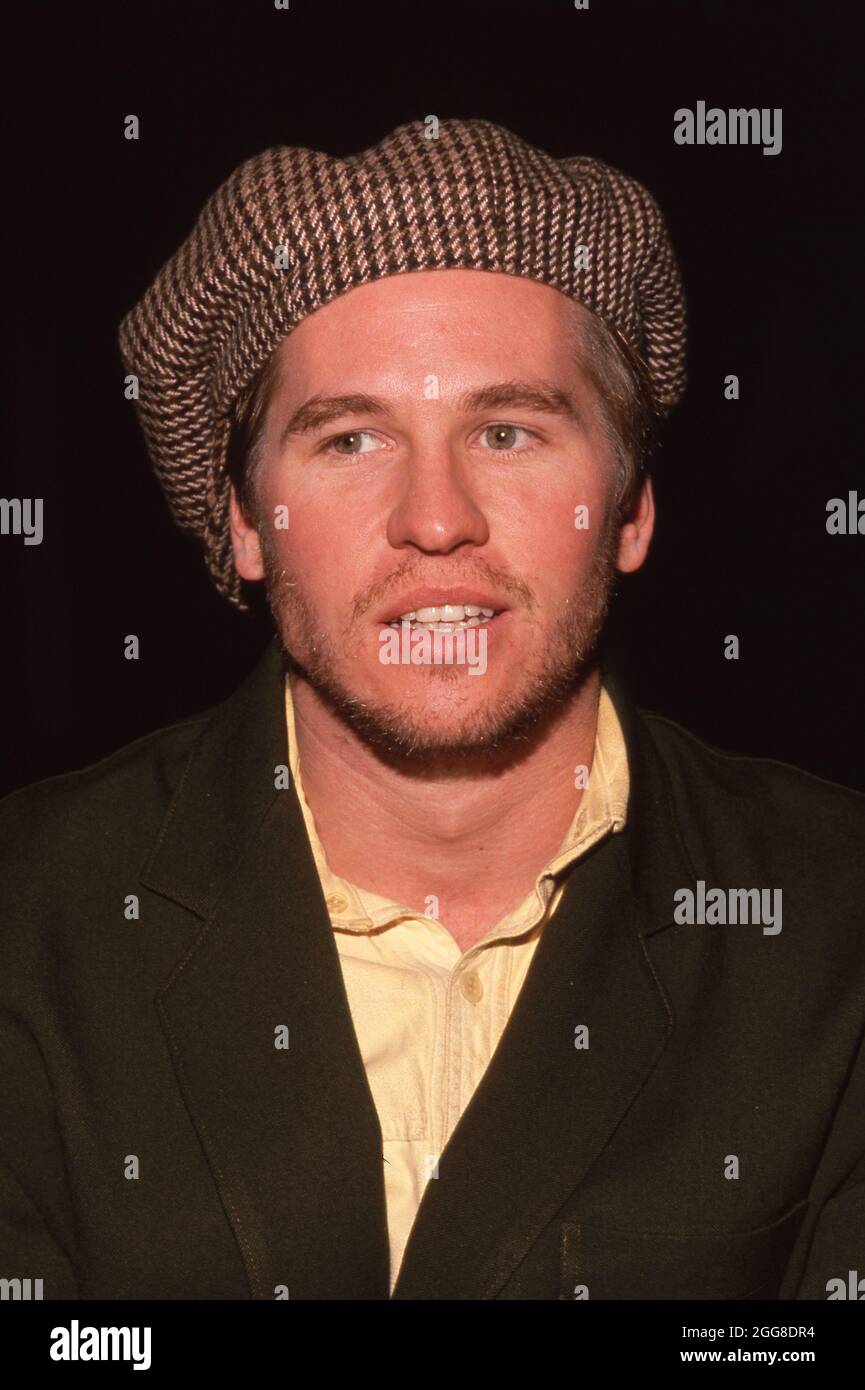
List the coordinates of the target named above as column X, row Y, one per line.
column 411, row 737
column 426, row 719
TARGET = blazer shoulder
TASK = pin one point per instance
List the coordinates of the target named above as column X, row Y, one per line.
column 130, row 787
column 764, row 796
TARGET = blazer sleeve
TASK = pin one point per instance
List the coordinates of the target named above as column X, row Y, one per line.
column 837, row 1246
column 36, row 1218
column 831, row 1243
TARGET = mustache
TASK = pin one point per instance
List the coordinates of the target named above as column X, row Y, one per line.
column 411, row 575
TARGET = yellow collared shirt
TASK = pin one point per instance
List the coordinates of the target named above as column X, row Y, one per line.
column 428, row 1016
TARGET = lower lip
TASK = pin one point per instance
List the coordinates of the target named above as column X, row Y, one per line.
column 495, row 627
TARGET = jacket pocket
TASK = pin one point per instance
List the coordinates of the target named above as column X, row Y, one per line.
column 600, row 1261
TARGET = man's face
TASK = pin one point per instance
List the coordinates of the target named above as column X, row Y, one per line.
column 429, row 440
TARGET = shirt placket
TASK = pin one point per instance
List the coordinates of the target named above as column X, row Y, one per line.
column 467, row 1030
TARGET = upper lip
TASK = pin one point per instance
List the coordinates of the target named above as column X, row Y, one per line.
column 429, row 597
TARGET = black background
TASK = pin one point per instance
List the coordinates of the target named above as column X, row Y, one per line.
column 769, row 247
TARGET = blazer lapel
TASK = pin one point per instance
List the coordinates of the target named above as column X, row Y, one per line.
column 544, row 1109
column 290, row 1133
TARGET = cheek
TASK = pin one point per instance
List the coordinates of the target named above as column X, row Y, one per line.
column 555, row 538
column 323, row 549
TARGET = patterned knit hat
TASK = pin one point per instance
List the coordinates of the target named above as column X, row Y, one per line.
column 292, row 229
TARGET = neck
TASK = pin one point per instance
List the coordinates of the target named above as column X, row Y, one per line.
column 475, row 839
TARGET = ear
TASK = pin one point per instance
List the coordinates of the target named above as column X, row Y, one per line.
column 244, row 542
column 636, row 533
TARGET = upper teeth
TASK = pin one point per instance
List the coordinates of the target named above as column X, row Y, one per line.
column 445, row 613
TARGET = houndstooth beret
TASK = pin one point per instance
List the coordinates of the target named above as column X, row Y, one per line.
column 292, row 229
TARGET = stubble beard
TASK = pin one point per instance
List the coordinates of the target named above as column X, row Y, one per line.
column 490, row 734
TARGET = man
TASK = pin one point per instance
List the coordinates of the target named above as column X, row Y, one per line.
column 426, row 966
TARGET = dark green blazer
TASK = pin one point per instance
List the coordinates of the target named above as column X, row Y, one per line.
column 147, row 1045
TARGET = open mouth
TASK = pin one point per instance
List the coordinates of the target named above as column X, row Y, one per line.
column 449, row 617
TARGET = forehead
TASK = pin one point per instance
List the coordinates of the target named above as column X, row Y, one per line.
column 430, row 319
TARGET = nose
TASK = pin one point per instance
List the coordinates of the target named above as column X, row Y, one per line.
column 435, row 510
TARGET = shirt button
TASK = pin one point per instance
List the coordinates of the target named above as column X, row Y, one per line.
column 471, row 986
column 336, row 902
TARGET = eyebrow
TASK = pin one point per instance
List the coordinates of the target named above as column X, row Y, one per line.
column 525, row 395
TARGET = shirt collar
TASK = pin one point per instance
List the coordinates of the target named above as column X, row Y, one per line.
column 602, row 810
